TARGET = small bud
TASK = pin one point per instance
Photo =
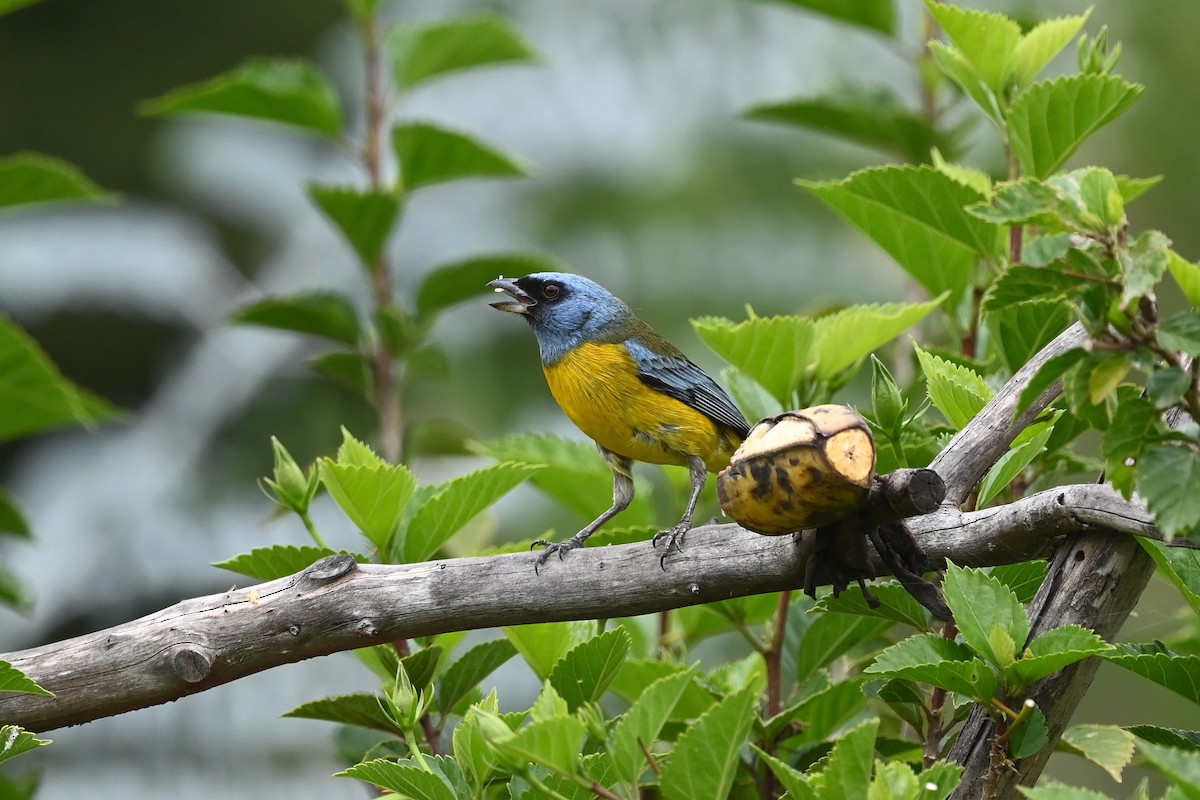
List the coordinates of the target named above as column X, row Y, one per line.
column 290, row 486
column 886, row 401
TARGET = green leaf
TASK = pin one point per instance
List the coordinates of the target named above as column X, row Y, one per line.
column 928, row 658
column 554, row 743
column 955, row 390
column 12, row 521
column 795, row 782
column 636, row 674
column 1187, row 275
column 1143, row 264
column 827, row 711
column 31, row 178
column 1166, row 386
column 1172, row 737
column 320, row 313
column 895, row 605
column 1168, row 479
column 1181, row 332
column 1181, row 766
column 1023, row 578
column 775, row 351
column 945, row 775
column 429, row 154
column 986, row 40
column 34, row 394
column 1049, row 120
column 973, row 178
column 455, row 503
column 13, row 593
column 365, row 217
column 13, row 680
column 640, row 725
column 1046, row 376
column 843, row 338
column 705, row 759
column 1107, row 746
column 1052, row 790
column 373, row 497
column 470, row 748
column 276, row 561
column 954, row 65
column 408, row 780
column 1041, row 44
column 1031, row 736
column 287, row 91
column 452, row 283
column 876, row 15
column 1106, row 375
column 1179, row 673
column 1020, row 331
column 1179, row 565
column 917, row 215
column 1136, row 425
column 15, row 740
column 422, row 52
column 1021, row 284
column 420, row 667
column 831, row 636
column 982, row 604
column 360, row 708
column 847, row 769
column 543, row 644
column 585, row 672
column 1052, row 651
column 465, row 674
column 1014, row 462
column 873, row 119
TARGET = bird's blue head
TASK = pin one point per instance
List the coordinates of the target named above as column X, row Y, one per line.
column 565, row 310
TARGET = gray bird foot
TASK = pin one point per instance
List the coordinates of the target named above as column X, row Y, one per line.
column 552, row 548
column 674, row 538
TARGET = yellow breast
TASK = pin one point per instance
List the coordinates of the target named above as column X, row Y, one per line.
column 598, row 387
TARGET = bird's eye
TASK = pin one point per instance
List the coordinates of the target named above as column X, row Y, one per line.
column 551, row 291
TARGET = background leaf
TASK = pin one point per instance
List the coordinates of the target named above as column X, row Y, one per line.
column 844, row 337
column 705, row 759
column 429, row 154
column 640, row 726
column 422, row 52
column 32, row 178
column 319, row 313
column 12, row 521
column 452, row 283
column 1179, row 673
column 360, row 708
column 877, row 15
column 775, row 351
column 465, row 674
column 848, row 766
column 543, row 644
column 1168, row 478
column 365, row 217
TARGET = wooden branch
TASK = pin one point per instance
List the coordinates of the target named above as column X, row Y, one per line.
column 337, row 605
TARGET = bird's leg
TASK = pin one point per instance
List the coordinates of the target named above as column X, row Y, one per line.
column 622, row 470
column 674, row 535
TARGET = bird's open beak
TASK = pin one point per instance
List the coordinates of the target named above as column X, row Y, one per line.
column 520, row 302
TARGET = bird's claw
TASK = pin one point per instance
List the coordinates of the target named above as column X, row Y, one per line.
column 674, row 537
column 551, row 549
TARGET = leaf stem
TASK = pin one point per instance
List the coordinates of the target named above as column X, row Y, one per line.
column 312, row 530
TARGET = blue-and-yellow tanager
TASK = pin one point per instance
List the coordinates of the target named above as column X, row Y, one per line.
column 625, row 386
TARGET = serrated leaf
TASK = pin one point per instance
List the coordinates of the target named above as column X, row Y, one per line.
column 1106, row 746
column 847, row 770
column 1171, row 737
column 470, row 748
column 554, row 743
column 826, row 711
column 1179, row 673
column 421, row 667
column 981, row 603
column 917, row 215
column 976, row 179
column 34, row 394
column 844, row 337
column 408, row 780
column 1187, row 275
column 543, row 644
column 13, row 680
column 954, row 65
column 1013, row 462
column 831, row 636
column 319, row 313
column 1031, row 736
column 956, row 391
column 1041, row 44
column 1021, row 284
column 895, row 605
column 638, row 673
column 34, row 179
column 873, row 119
column 287, row 91
column 1181, row 766
column 360, row 708
column 640, row 725
column 705, row 759
column 429, row 154
column 12, row 521
column 1052, row 651
column 456, row 502
column 276, row 561
column 15, row 740
column 585, row 672
column 1181, row 566
column 1052, row 790
column 1181, row 332
column 1136, row 425
column 877, row 15
column 449, row 284
column 986, row 40
column 422, row 52
column 365, row 217
column 1166, row 386
column 945, row 776
column 1023, row 578
column 775, row 351
column 793, row 781
column 1143, row 264
column 465, row 674
column 372, row 497
column 1168, row 479
column 1046, row 376
column 1020, row 331
column 928, row 658
column 1049, row 120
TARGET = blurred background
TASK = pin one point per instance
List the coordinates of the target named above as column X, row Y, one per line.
column 644, row 177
